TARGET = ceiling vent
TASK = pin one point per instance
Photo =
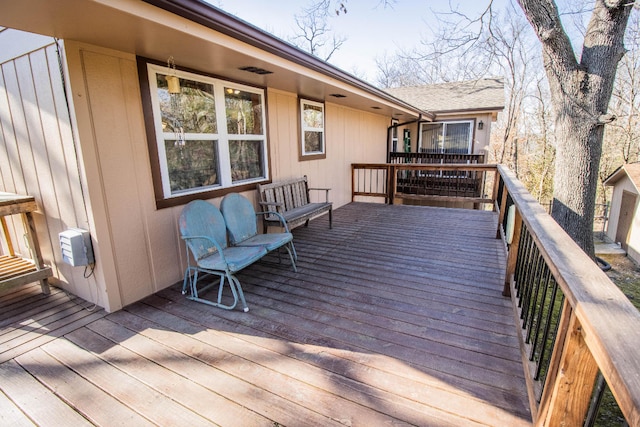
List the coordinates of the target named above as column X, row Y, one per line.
column 256, row 70
column 338, row 95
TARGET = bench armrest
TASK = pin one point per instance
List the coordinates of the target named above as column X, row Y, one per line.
column 280, row 217
column 279, row 207
column 326, row 190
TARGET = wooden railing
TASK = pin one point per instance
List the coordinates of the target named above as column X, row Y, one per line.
column 427, row 182
column 575, row 324
column 443, row 158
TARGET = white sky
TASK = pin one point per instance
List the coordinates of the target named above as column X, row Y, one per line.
column 370, row 28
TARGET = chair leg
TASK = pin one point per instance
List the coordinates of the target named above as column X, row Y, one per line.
column 187, row 276
column 291, row 250
column 234, row 285
column 236, row 289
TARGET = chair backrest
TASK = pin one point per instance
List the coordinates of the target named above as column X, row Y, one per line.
column 200, row 218
column 239, row 216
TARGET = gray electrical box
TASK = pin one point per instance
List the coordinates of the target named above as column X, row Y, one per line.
column 75, row 244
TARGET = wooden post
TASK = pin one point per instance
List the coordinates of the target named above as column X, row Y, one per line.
column 32, row 236
column 512, row 258
column 7, row 238
column 392, row 171
column 353, row 182
column 496, row 184
column 566, row 402
column 503, row 208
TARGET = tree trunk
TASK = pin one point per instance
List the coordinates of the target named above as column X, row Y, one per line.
column 580, row 96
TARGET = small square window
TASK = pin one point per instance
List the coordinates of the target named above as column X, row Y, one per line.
column 312, row 137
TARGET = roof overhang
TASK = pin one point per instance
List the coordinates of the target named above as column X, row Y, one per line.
column 493, row 111
column 200, row 37
column 630, row 171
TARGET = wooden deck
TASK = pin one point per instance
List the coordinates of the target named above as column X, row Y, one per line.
column 395, row 317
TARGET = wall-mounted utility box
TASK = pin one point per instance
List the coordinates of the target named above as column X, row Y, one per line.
column 75, row 244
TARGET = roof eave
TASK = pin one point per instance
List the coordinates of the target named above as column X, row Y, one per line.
column 218, row 20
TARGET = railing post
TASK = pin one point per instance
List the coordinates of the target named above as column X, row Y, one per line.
column 512, row 257
column 353, row 182
column 392, row 181
column 503, row 208
column 568, row 392
column 496, row 183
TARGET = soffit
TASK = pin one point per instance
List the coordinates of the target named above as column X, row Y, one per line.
column 139, row 28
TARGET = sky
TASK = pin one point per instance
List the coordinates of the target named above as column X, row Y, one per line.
column 370, row 28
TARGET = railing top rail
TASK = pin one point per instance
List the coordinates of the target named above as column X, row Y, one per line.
column 610, row 323
column 427, row 166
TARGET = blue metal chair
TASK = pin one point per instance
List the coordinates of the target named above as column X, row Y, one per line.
column 240, row 218
column 204, row 231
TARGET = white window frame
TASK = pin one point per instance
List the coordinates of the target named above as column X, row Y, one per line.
column 304, row 155
column 444, row 126
column 222, row 137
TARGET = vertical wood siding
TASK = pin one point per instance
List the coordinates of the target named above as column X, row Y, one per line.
column 138, row 249
column 37, row 157
column 352, row 136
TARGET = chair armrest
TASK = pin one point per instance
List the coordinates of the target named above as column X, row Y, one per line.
column 210, row 239
column 282, row 220
column 326, row 190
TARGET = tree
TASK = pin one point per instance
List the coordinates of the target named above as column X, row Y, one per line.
column 315, row 35
column 580, row 93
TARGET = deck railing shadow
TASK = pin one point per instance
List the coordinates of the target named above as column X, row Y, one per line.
column 574, row 322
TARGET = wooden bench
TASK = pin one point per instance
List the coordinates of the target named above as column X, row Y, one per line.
column 290, row 199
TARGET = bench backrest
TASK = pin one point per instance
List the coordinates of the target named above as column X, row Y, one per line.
column 292, row 193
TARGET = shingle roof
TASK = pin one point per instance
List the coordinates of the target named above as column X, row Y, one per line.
column 483, row 94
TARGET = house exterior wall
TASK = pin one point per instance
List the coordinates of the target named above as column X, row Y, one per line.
column 139, row 247
column 37, row 153
column 625, row 184
column 480, row 138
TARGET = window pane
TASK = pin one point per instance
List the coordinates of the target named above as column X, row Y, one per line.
column 313, row 116
column 244, row 112
column 193, row 109
column 192, row 164
column 313, row 142
column 431, row 141
column 456, row 139
column 246, row 160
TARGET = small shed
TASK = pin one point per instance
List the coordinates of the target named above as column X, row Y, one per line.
column 624, row 221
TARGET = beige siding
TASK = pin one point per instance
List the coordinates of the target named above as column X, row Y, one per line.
column 38, row 158
column 351, row 136
column 139, row 248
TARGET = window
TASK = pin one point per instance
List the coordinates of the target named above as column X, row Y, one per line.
column 209, row 135
column 446, row 137
column 394, row 135
column 312, row 145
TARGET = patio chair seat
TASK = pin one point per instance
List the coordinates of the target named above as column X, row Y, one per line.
column 236, row 257
column 269, row 241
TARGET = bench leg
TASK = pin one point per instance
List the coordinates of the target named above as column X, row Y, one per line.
column 330, row 218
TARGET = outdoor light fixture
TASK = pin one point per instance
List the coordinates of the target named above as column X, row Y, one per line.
column 480, row 125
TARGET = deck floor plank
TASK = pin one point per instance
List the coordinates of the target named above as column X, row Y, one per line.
column 395, row 316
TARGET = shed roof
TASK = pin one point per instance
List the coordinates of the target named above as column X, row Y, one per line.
column 631, row 170
column 473, row 95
